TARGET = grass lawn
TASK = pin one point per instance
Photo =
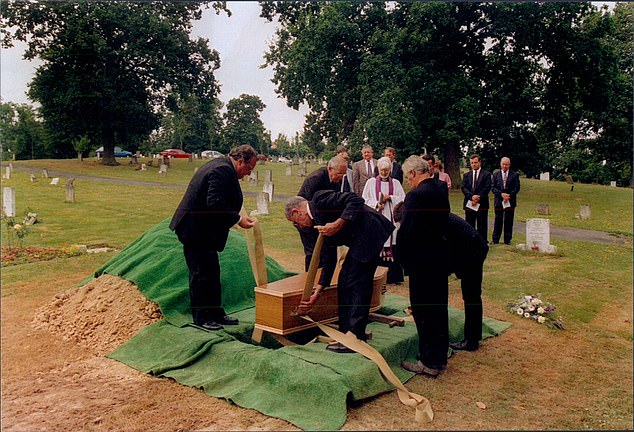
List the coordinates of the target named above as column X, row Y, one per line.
column 590, row 283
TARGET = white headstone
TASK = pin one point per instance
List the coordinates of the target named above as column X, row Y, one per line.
column 538, row 236
column 612, row 184
column 163, row 170
column 55, row 181
column 268, row 188
column 44, row 173
column 253, row 178
column 70, row 191
column 545, row 176
column 32, row 177
column 585, row 212
column 8, row 172
column 8, row 201
column 143, row 167
column 289, row 170
column 268, row 175
column 262, row 201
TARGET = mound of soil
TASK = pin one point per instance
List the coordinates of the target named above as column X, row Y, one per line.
column 99, row 316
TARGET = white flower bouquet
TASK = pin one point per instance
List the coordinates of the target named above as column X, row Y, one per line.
column 532, row 307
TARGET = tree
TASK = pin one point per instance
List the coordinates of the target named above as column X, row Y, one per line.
column 22, row 132
column 108, row 67
column 81, row 145
column 243, row 124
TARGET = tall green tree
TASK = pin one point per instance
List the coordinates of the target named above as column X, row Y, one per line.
column 22, row 132
column 108, row 67
column 243, row 124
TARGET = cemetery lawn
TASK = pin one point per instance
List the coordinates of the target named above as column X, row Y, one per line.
column 530, row 377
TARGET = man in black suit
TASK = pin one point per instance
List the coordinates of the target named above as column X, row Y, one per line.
column 330, row 177
column 397, row 171
column 467, row 251
column 506, row 185
column 476, row 185
column 344, row 219
column 422, row 249
column 209, row 208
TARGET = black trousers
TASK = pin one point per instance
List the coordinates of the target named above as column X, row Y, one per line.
column 309, row 238
column 354, row 293
column 503, row 218
column 429, row 296
column 205, row 292
column 471, row 285
column 479, row 220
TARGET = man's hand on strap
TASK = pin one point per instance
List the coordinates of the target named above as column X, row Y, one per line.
column 306, row 306
column 331, row 228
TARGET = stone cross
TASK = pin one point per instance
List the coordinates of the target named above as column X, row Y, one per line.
column 268, row 188
column 8, row 201
column 70, row 191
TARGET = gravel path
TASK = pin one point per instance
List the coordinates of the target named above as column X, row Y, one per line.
column 566, row 233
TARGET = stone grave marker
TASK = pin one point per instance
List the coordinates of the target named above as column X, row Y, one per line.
column 253, row 178
column 289, row 170
column 55, row 181
column 7, row 171
column 32, row 177
column 612, row 184
column 538, row 236
column 544, row 176
column 70, row 191
column 144, row 167
column 268, row 189
column 542, row 209
column 262, row 201
column 585, row 212
column 134, row 160
column 44, row 173
column 268, row 175
column 8, row 201
column 163, row 170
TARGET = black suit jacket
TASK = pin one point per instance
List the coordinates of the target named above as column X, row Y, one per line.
column 482, row 188
column 365, row 230
column 512, row 188
column 319, row 180
column 397, row 171
column 210, row 206
column 420, row 242
column 467, row 250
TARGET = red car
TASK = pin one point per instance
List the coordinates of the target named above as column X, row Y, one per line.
column 175, row 153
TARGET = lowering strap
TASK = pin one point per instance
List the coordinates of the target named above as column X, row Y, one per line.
column 424, row 412
column 255, row 248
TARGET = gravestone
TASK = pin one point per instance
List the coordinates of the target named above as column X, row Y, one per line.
column 268, row 176
column 7, row 174
column 584, row 212
column 54, row 181
column 542, row 209
column 538, row 236
column 33, row 178
column 262, row 202
column 612, row 184
column 144, row 167
column 545, row 176
column 289, row 170
column 134, row 160
column 8, row 201
column 268, row 188
column 253, row 178
column 163, row 170
column 44, row 173
column 70, row 191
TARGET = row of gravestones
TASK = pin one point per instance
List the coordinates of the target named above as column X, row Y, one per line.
column 546, row 176
column 585, row 211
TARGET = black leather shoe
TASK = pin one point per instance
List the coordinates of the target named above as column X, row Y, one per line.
column 419, row 368
column 228, row 320
column 465, row 345
column 211, row 325
column 339, row 348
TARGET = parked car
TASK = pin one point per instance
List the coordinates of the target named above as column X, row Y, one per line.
column 211, row 154
column 175, row 153
column 284, row 159
column 117, row 152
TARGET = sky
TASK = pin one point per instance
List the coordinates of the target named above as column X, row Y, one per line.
column 241, row 41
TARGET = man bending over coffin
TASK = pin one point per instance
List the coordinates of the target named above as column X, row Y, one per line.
column 344, row 219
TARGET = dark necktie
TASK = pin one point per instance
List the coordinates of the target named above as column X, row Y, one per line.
column 475, row 178
column 504, row 175
column 369, row 169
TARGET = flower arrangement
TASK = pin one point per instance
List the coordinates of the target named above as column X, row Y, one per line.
column 532, row 307
column 20, row 255
column 18, row 229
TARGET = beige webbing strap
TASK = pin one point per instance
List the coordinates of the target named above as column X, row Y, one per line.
column 255, row 247
column 424, row 412
column 312, row 268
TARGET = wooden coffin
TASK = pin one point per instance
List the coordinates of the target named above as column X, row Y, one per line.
column 276, row 303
